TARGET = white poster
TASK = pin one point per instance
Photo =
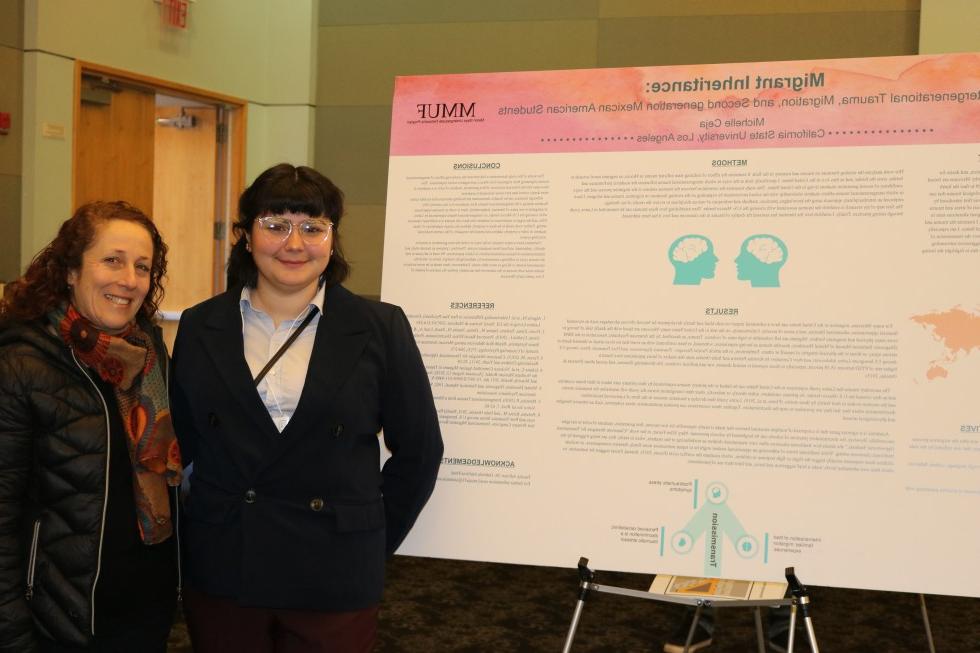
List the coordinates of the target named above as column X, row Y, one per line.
column 703, row 320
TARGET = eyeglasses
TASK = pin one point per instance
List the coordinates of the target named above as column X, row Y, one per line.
column 313, row 231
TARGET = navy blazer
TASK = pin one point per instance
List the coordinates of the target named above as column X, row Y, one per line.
column 304, row 519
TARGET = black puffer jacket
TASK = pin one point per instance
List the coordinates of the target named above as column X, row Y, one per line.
column 53, row 457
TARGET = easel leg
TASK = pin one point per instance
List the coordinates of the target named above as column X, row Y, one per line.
column 574, row 626
column 792, row 628
column 811, row 634
column 586, row 576
column 925, row 621
column 801, row 600
column 694, row 625
column 759, row 634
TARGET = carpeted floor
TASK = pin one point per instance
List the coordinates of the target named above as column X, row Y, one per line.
column 451, row 605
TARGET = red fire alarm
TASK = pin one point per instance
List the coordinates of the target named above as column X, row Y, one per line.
column 4, row 123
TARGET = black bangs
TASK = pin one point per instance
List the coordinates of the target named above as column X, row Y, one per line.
column 291, row 196
column 288, row 189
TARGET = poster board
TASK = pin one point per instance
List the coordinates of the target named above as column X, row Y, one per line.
column 705, row 320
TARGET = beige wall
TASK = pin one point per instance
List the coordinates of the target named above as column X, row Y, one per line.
column 279, row 133
column 260, row 51
column 950, row 26
column 364, row 45
column 46, row 181
column 11, row 101
column 255, row 49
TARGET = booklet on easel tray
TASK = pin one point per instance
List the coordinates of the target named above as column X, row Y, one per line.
column 719, row 589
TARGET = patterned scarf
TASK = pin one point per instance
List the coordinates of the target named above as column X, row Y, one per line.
column 128, row 361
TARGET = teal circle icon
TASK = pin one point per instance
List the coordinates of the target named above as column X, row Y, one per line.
column 681, row 542
column 716, row 493
column 747, row 546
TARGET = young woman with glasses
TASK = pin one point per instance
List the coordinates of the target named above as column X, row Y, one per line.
column 281, row 387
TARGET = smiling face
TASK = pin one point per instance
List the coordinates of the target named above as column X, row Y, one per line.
column 109, row 287
column 289, row 265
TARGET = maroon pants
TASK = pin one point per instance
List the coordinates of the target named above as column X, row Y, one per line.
column 217, row 625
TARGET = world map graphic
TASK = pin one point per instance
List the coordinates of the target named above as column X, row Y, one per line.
column 958, row 330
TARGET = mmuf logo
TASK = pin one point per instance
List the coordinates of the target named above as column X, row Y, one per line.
column 444, row 110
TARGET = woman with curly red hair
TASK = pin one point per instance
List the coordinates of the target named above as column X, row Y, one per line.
column 89, row 464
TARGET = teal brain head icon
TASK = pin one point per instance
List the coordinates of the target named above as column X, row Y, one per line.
column 760, row 260
column 693, row 258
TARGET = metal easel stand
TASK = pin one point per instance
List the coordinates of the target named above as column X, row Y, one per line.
column 925, row 622
column 801, row 600
column 800, row 597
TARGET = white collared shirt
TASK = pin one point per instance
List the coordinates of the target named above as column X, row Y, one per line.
column 282, row 386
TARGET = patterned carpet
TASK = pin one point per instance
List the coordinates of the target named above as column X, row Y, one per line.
column 451, row 605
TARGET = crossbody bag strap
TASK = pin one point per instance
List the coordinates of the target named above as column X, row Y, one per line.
column 285, row 346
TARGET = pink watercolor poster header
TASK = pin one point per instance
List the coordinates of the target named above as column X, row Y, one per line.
column 928, row 99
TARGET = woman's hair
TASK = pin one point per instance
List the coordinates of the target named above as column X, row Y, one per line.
column 285, row 188
column 45, row 284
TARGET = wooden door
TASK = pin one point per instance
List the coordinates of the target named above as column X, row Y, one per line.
column 114, row 147
column 183, row 178
column 184, row 204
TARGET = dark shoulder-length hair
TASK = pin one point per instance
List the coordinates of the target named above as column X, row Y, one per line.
column 285, row 188
column 45, row 283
